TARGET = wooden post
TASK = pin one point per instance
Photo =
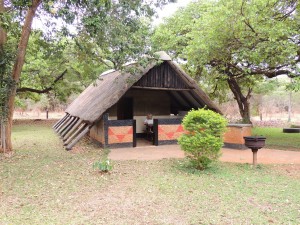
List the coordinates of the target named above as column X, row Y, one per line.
column 155, row 130
column 254, row 156
column 134, row 133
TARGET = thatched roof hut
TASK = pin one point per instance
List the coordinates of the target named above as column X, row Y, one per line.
column 164, row 76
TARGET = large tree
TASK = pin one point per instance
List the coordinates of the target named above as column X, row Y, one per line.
column 119, row 29
column 59, row 66
column 235, row 43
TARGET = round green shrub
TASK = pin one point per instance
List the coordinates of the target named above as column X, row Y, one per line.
column 204, row 137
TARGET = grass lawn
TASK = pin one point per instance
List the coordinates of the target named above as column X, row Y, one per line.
column 44, row 184
column 277, row 139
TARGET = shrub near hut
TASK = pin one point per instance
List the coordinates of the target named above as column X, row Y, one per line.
column 204, row 139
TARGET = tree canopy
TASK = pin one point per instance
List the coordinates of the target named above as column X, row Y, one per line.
column 117, row 29
column 235, row 43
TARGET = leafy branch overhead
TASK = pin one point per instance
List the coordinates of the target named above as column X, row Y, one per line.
column 118, row 30
column 108, row 34
column 235, row 43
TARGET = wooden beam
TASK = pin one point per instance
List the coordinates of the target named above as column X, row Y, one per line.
column 174, row 103
column 62, row 123
column 59, row 121
column 84, row 132
column 189, row 81
column 66, row 124
column 75, row 133
column 69, row 127
column 186, row 100
column 164, row 89
column 68, row 134
column 198, row 99
column 61, row 127
column 192, row 99
column 178, row 98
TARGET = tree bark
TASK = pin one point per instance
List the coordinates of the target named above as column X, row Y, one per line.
column 243, row 101
column 45, row 90
column 2, row 31
column 18, row 65
column 3, row 37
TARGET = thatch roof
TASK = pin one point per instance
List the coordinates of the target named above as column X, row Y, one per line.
column 98, row 97
column 90, row 105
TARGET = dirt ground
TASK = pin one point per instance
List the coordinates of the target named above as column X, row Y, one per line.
column 287, row 162
column 265, row 156
column 52, row 186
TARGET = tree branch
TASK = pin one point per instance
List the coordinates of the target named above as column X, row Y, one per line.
column 246, row 21
column 248, row 96
column 215, row 89
column 45, row 90
column 292, row 5
column 92, row 53
column 270, row 74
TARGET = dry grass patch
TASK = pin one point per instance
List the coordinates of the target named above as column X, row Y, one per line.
column 44, row 184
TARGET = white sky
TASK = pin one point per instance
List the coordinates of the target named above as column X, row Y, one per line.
column 169, row 9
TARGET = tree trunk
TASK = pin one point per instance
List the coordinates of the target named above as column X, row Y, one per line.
column 243, row 102
column 17, row 69
column 3, row 36
column 2, row 31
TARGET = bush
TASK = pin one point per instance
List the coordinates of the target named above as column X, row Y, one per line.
column 204, row 137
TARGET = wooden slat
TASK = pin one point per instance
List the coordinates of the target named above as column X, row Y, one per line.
column 182, row 74
column 186, row 100
column 179, row 99
column 69, row 133
column 163, row 76
column 58, row 129
column 66, row 124
column 60, row 121
column 76, row 132
column 84, row 132
column 69, row 127
column 191, row 98
column 164, row 89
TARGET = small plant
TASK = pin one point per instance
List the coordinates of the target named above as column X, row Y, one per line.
column 103, row 166
column 204, row 137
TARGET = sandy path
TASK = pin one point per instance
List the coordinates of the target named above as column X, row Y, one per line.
column 265, row 156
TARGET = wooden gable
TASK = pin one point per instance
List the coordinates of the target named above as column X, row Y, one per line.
column 162, row 77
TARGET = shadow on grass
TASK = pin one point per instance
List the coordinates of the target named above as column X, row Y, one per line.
column 185, row 166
